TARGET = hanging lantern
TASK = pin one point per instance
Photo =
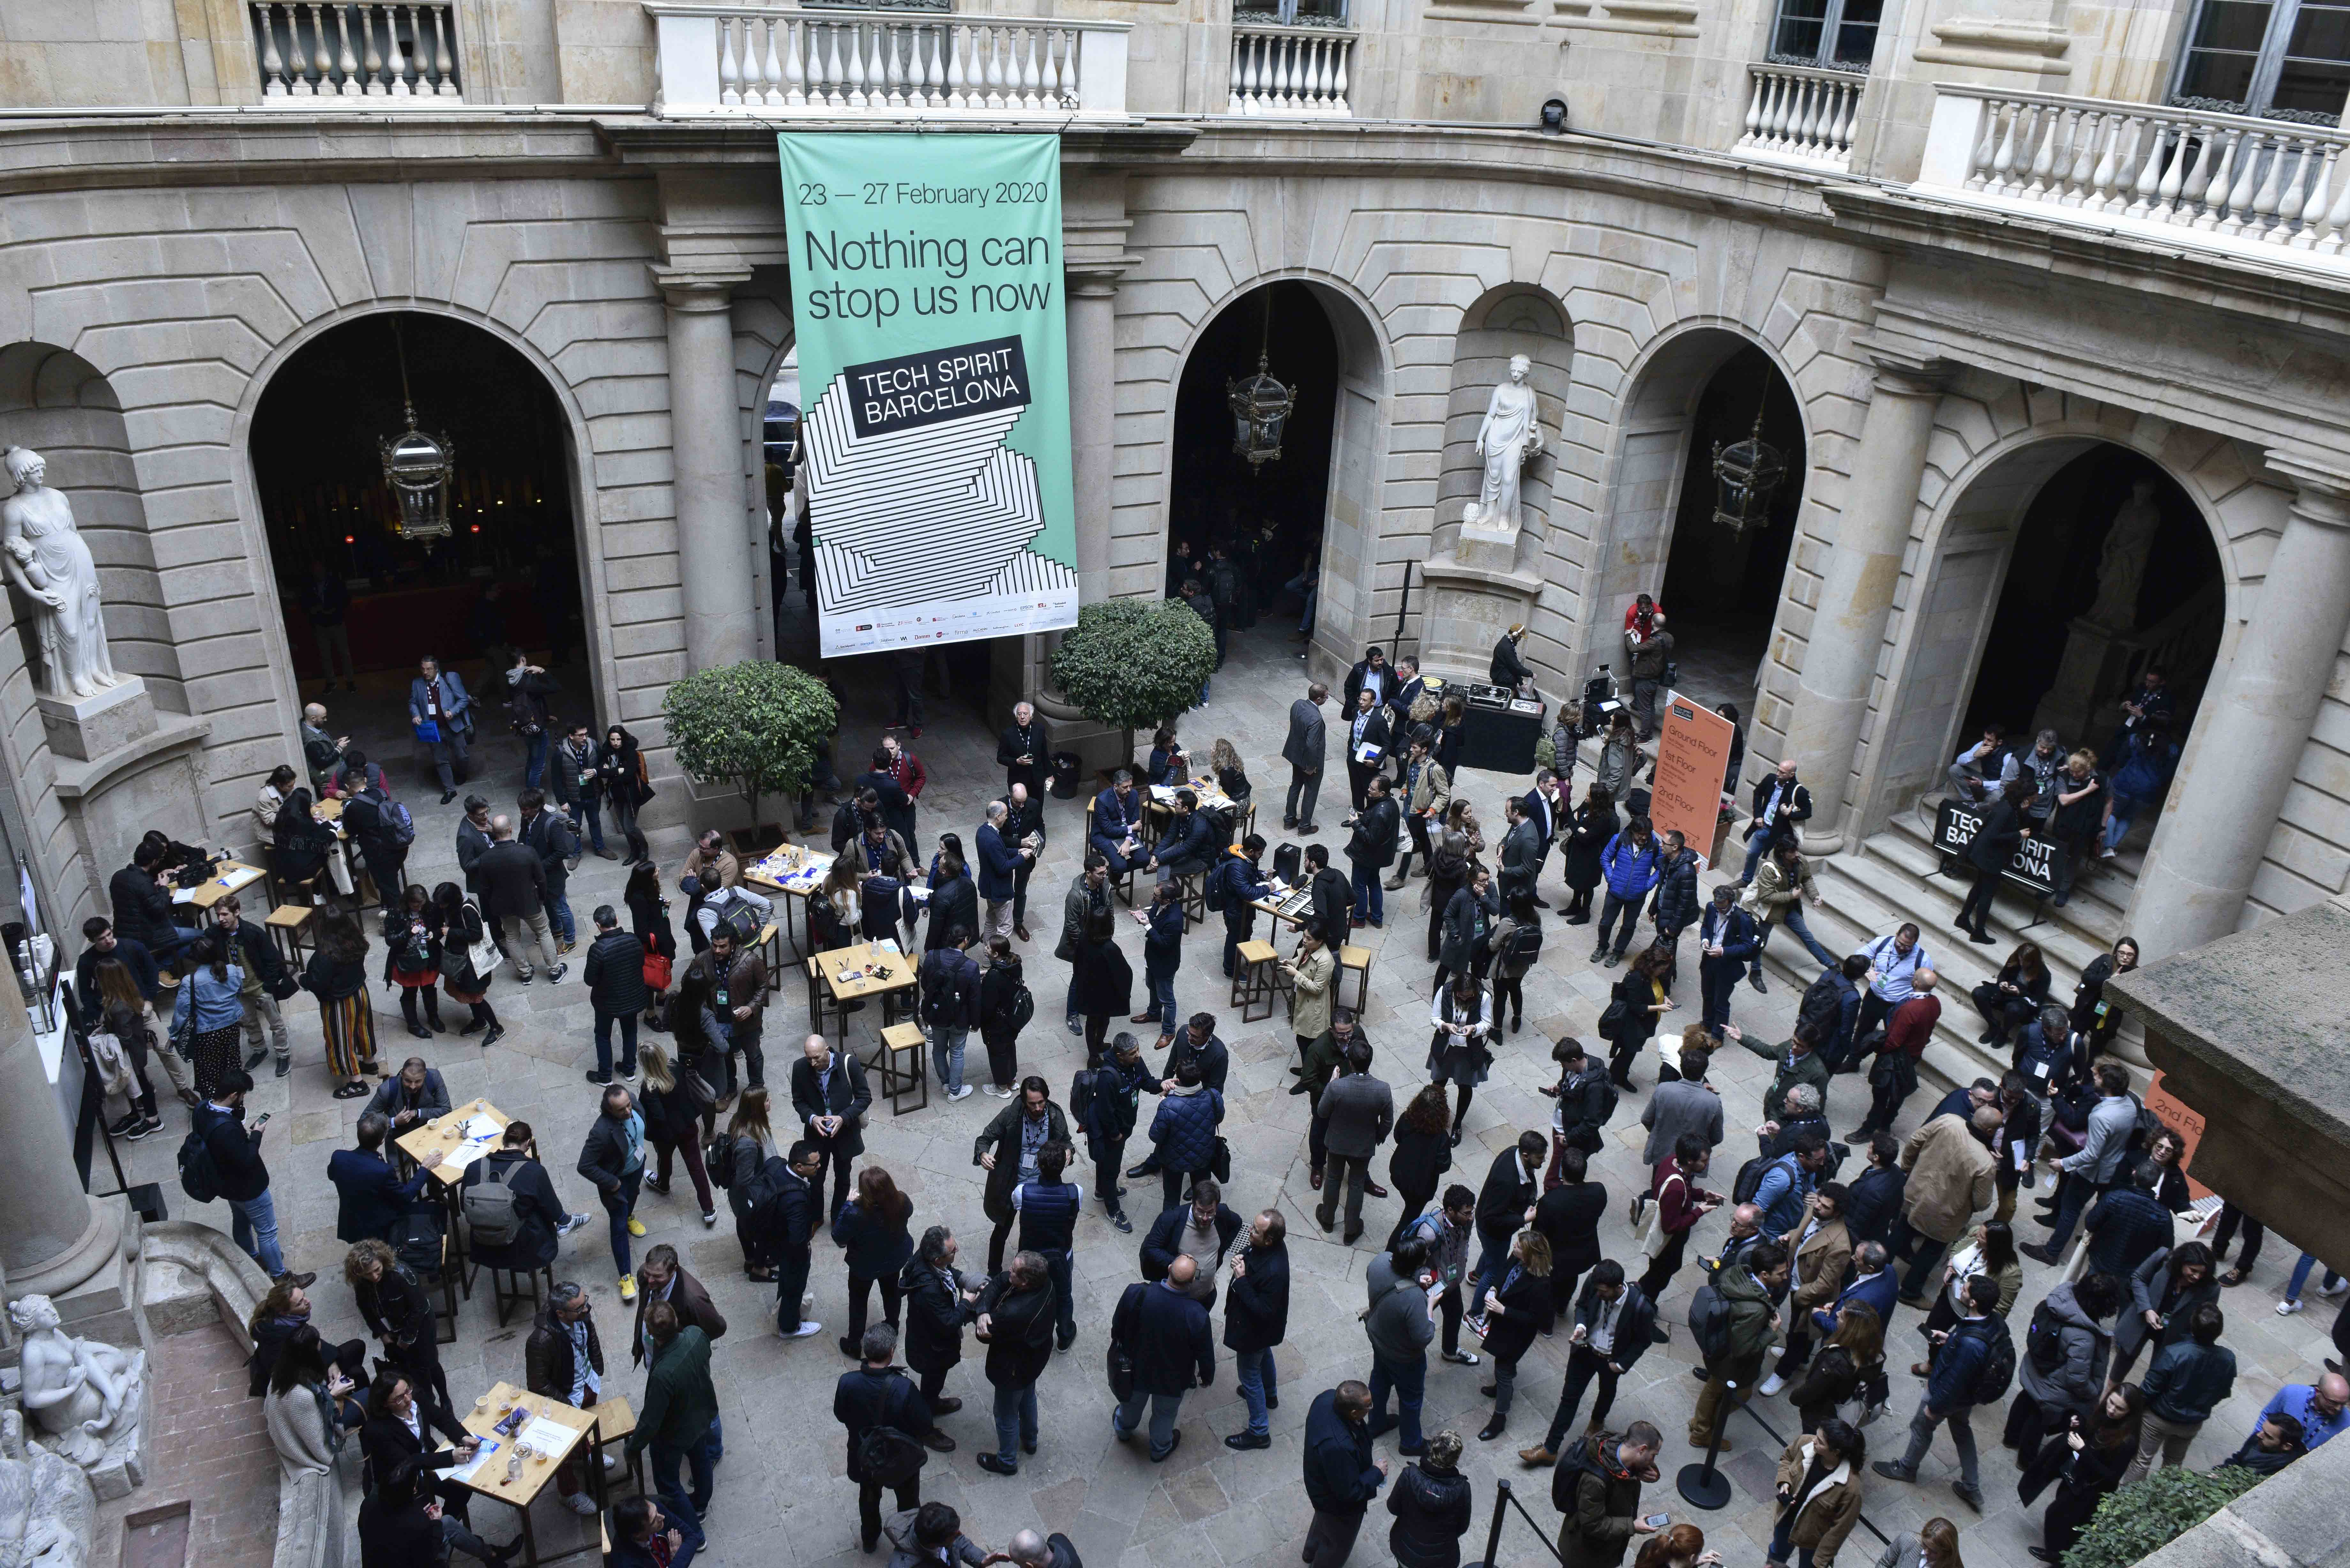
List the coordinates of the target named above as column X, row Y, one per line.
column 1260, row 405
column 1745, row 476
column 416, row 467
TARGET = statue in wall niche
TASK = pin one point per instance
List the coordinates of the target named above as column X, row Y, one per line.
column 2121, row 566
column 44, row 555
column 83, row 1393
column 1510, row 433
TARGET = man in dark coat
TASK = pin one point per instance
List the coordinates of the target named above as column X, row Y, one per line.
column 1016, row 1310
column 1615, row 1323
column 830, row 1096
column 1257, row 1317
column 1306, row 749
column 1341, row 1477
column 662, row 1278
column 1568, row 1219
column 615, row 972
column 410, row 1097
column 1510, row 1191
column 1023, row 749
column 143, row 905
column 1165, row 1332
column 1378, row 827
column 1184, row 1228
column 1007, row 1147
column 1108, row 1120
column 939, row 1301
column 1726, row 940
column 1599, row 1491
column 1367, row 733
column 563, row 1359
column 789, row 1219
column 372, row 1195
column 514, row 888
column 879, row 1395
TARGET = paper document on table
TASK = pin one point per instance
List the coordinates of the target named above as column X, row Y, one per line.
column 467, row 1152
column 482, row 1125
column 544, row 1435
column 464, row 1474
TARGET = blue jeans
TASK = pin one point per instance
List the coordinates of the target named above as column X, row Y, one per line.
column 628, row 1022
column 1370, row 905
column 1164, row 1408
column 2077, row 1193
column 1791, row 917
column 1781, row 1545
column 1494, row 1250
column 1255, row 1371
column 587, row 821
column 1409, row 1381
column 1162, row 997
column 1756, row 842
column 2301, row 1277
column 666, row 1481
column 558, row 911
column 533, row 764
column 1073, row 999
column 946, row 1055
column 2126, row 810
column 717, row 1441
column 255, row 1226
column 620, row 1205
column 1015, row 1421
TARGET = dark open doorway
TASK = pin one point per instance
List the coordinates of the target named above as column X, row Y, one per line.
column 510, row 573
column 1722, row 587
column 1272, row 519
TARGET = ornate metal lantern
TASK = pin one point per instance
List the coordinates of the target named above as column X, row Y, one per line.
column 1745, row 476
column 417, row 467
column 1260, row 405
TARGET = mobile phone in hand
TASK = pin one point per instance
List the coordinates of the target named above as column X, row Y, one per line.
column 1657, row 1520
column 261, row 1121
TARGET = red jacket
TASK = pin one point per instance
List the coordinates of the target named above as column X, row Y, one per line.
column 1912, row 1025
column 910, row 774
column 1677, row 1197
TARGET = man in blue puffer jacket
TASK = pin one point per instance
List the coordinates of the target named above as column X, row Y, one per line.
column 1184, row 1130
column 1631, row 863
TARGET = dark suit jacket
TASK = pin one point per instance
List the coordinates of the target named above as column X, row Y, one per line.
column 471, row 844
column 1568, row 1219
column 513, row 880
column 1308, row 742
column 1256, row 1314
column 390, row 1100
column 1504, row 1199
column 1374, row 732
column 864, row 1399
column 849, row 1099
column 1167, row 1333
column 372, row 1196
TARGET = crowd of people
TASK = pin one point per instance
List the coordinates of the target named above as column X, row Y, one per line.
column 1795, row 1302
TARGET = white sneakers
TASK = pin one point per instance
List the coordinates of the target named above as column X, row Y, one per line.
column 579, row 1503
column 961, row 1092
column 2287, row 1308
column 1771, row 1384
column 806, row 1329
column 570, row 1222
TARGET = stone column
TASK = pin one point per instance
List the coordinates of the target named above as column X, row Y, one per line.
column 53, row 1239
column 1857, row 591
column 714, row 530
column 1093, row 419
column 2255, row 723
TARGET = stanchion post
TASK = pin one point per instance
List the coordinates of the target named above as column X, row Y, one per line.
column 1702, row 1486
column 1493, row 1535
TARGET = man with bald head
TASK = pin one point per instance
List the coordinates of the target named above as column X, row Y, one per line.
column 511, row 880
column 1951, row 1181
column 2322, row 1408
column 322, row 751
column 1163, row 1331
column 1031, row 1549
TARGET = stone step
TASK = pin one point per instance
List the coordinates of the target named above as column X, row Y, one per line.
column 2101, row 894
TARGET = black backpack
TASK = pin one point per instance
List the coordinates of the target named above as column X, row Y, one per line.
column 2143, row 1130
column 1524, row 948
column 1216, row 886
column 2044, row 1340
column 1081, row 1096
column 1709, row 1321
column 415, row 1240
column 888, row 1456
column 199, row 1174
column 1998, row 1369
column 1749, row 1179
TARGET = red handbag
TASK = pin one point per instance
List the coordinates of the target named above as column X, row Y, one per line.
column 657, row 968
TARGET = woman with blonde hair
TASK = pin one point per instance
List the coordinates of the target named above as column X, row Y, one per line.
column 673, row 1125
column 1519, row 1306
column 1232, row 778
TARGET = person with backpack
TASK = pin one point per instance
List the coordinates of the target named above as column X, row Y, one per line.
column 737, row 975
column 1516, row 943
column 1005, row 1007
column 221, row 1159
column 1734, row 1323
column 1973, row 1364
column 1015, row 1311
column 1831, row 1006
column 1596, row 1490
column 949, row 1007
column 510, row 1206
column 1103, row 1102
column 614, row 971
column 2061, row 1372
column 1234, row 888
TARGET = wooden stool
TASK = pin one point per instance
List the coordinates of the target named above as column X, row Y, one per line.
column 1244, row 820
column 615, row 1420
column 1253, row 981
column 289, row 926
column 897, row 1077
column 517, row 1287
column 444, row 1316
column 1194, row 888
column 1360, row 960
column 821, row 1004
column 771, row 949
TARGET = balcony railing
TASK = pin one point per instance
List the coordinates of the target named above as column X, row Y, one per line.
column 1291, row 72
column 1801, row 114
column 373, row 53
column 771, row 60
column 2221, row 181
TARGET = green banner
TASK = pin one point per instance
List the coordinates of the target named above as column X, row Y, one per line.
column 928, row 310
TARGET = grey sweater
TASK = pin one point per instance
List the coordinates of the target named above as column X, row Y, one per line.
column 1356, row 1111
column 1398, row 1322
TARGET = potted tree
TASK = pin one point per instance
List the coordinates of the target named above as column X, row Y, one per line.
column 756, row 726
column 1133, row 663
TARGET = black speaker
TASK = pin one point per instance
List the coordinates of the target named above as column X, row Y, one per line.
column 1288, row 860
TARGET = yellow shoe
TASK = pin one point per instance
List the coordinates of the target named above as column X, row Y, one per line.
column 627, row 1287
column 636, row 1226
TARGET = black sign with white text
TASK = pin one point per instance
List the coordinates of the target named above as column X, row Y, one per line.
column 2033, row 866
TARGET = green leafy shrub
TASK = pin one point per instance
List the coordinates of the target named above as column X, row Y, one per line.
column 754, row 725
column 2139, row 1520
column 1134, row 663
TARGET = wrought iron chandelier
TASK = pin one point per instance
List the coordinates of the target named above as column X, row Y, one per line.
column 1745, row 475
column 417, row 467
column 1260, row 405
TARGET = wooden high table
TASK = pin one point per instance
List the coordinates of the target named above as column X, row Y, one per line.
column 794, row 871
column 548, row 1417
column 231, row 877
column 862, row 985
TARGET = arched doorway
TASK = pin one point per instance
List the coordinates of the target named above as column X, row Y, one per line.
column 1270, row 516
column 508, row 576
column 1721, row 587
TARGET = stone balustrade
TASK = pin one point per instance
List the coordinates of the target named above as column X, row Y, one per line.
column 372, row 53
column 791, row 60
column 2258, row 187
column 1291, row 71
column 1801, row 114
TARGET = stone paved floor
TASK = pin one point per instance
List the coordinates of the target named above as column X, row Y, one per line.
column 212, row 1450
column 781, row 1499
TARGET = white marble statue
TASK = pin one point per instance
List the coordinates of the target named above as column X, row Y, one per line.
column 2121, row 565
column 44, row 555
column 1510, row 433
column 83, row 1393
column 47, row 1506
